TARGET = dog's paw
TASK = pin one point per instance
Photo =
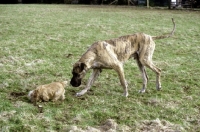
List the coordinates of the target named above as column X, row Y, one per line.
column 158, row 87
column 142, row 91
column 81, row 93
column 125, row 94
column 78, row 94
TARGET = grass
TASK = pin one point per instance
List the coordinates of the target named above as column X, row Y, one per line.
column 40, row 43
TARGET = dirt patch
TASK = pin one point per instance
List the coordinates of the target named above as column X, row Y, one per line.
column 17, row 94
column 158, row 126
column 68, row 55
column 5, row 115
column 108, row 126
column 143, row 126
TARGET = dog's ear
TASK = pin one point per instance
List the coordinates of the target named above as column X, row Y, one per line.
column 82, row 66
column 79, row 67
column 34, row 97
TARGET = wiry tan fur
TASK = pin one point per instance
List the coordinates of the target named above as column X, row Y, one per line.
column 53, row 91
column 112, row 54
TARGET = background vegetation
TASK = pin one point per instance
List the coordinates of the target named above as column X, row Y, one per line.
column 40, row 43
column 152, row 3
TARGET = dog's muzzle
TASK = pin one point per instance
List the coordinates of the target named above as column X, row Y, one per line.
column 75, row 82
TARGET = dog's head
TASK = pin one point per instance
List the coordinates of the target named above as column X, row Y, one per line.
column 79, row 71
column 30, row 95
column 33, row 96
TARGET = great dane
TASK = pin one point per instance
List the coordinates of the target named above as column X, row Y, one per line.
column 111, row 54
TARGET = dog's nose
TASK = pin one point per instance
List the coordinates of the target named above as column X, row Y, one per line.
column 75, row 84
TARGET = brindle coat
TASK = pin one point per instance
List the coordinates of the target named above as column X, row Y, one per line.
column 111, row 54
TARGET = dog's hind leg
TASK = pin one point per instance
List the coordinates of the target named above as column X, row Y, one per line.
column 91, row 80
column 62, row 97
column 143, row 71
column 59, row 95
column 146, row 59
column 45, row 98
column 158, row 74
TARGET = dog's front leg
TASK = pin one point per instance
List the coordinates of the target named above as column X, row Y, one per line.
column 91, row 80
column 120, row 70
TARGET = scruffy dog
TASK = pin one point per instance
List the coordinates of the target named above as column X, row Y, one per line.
column 53, row 91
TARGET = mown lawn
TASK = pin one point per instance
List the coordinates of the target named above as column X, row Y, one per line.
column 40, row 43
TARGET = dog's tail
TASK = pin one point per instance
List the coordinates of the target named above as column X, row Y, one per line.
column 166, row 36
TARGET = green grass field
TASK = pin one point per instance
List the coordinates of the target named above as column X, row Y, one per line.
column 40, row 43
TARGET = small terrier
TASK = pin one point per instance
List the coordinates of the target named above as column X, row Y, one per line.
column 53, row 91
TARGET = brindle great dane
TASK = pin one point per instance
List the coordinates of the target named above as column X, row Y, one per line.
column 111, row 54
